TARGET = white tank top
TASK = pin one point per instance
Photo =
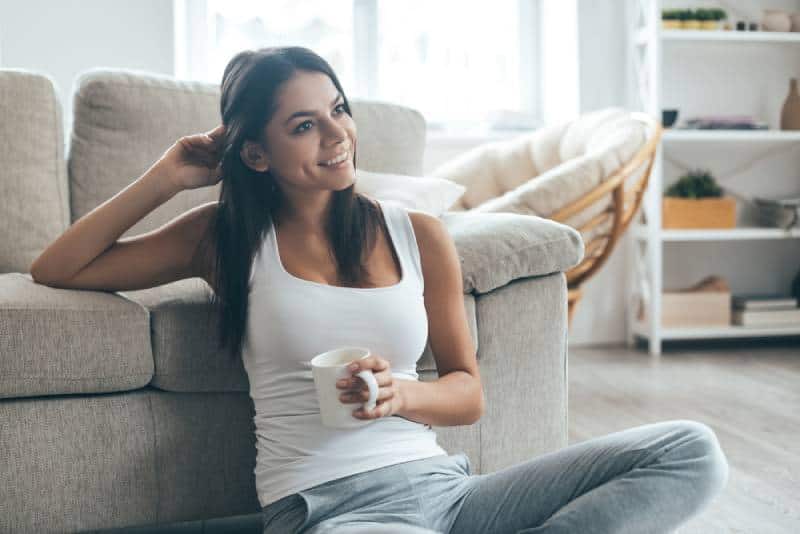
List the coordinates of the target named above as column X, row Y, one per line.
column 290, row 320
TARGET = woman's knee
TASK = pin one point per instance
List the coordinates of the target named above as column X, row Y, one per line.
column 706, row 454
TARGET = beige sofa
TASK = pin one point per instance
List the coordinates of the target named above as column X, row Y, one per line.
column 116, row 411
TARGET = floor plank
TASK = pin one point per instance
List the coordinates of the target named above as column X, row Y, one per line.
column 747, row 392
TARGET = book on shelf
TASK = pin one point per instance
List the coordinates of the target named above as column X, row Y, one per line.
column 763, row 302
column 766, row 317
column 723, row 122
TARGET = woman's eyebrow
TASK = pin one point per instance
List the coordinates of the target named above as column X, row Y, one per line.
column 309, row 113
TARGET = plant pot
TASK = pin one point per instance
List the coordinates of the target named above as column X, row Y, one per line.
column 709, row 25
column 698, row 213
column 671, row 24
column 691, row 25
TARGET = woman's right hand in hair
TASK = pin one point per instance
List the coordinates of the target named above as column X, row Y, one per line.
column 194, row 160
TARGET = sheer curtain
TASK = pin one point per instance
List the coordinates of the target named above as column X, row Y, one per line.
column 467, row 65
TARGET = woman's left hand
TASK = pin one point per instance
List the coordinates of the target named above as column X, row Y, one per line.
column 355, row 390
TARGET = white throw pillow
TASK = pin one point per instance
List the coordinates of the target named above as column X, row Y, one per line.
column 428, row 194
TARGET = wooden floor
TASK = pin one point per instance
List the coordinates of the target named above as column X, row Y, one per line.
column 747, row 392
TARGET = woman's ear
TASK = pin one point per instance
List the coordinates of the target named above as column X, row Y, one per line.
column 254, row 157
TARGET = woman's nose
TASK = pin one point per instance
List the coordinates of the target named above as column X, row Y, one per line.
column 335, row 132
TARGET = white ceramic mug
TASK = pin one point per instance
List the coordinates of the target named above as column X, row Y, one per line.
column 327, row 368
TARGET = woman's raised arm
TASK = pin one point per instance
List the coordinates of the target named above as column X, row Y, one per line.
column 90, row 254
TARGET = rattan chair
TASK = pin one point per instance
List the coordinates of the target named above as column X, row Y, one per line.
column 601, row 214
column 625, row 201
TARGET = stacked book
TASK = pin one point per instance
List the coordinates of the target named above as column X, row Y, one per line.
column 731, row 122
column 765, row 310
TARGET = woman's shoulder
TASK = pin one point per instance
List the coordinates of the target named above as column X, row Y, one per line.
column 423, row 221
column 432, row 236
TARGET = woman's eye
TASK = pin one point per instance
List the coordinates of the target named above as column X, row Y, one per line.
column 300, row 128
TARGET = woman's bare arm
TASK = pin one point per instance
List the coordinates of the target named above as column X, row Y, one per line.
column 98, row 230
column 90, row 254
column 456, row 397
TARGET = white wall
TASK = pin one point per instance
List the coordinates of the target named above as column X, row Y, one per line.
column 62, row 38
column 600, row 316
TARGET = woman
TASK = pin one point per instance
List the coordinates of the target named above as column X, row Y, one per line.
column 301, row 264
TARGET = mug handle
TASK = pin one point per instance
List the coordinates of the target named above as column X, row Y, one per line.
column 369, row 378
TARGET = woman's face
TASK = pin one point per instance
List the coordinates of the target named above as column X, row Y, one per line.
column 309, row 128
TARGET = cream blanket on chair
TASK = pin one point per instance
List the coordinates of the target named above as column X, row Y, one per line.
column 540, row 172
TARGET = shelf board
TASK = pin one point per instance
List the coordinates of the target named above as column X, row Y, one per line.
column 725, row 136
column 734, row 234
column 730, row 36
column 715, row 332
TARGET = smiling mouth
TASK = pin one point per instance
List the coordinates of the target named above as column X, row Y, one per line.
column 334, row 162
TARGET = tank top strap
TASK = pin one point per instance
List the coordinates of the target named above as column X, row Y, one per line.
column 405, row 241
column 266, row 262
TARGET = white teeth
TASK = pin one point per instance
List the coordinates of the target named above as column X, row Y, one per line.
column 334, row 161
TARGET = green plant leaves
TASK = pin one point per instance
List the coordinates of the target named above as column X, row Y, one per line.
column 695, row 184
column 694, row 14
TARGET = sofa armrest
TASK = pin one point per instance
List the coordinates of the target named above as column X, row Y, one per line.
column 497, row 248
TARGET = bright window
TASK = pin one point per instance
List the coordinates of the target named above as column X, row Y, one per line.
column 467, row 65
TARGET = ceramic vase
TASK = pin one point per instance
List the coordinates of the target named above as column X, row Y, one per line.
column 775, row 20
column 790, row 113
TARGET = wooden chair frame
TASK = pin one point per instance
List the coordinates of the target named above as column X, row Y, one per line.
column 624, row 205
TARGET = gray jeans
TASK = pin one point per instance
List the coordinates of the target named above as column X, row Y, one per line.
column 649, row 478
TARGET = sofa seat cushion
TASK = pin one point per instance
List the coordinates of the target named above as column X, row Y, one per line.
column 497, row 248
column 66, row 341
column 185, row 340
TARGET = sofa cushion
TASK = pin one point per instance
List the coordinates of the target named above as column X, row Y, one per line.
column 184, row 335
column 59, row 341
column 131, row 118
column 496, row 248
column 33, row 177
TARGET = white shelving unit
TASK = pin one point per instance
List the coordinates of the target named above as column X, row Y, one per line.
column 652, row 244
column 730, row 136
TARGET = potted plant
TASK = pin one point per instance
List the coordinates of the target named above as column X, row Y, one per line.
column 710, row 19
column 704, row 20
column 671, row 19
column 689, row 20
column 696, row 201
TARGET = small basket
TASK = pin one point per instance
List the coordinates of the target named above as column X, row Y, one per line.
column 783, row 213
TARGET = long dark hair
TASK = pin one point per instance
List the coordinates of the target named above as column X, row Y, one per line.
column 249, row 199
